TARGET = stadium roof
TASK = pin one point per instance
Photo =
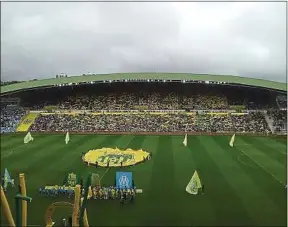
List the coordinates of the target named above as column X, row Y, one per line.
column 144, row 76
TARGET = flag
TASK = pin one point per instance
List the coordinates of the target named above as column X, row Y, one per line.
column 7, row 179
column 185, row 141
column 67, row 138
column 28, row 138
column 231, row 143
column 194, row 184
column 90, row 194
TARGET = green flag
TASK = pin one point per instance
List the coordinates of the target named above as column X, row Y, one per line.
column 28, row 138
column 194, row 184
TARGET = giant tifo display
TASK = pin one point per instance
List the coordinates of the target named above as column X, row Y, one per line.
column 140, row 149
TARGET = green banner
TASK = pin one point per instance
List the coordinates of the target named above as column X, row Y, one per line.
column 50, row 108
column 237, row 107
column 142, row 107
column 95, row 179
column 71, row 179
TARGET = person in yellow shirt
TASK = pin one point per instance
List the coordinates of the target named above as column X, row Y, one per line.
column 90, row 194
column 100, row 193
column 94, row 193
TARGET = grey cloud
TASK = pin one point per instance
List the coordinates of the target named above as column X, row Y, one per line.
column 40, row 40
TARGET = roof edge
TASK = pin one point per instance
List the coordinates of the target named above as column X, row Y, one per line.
column 255, row 82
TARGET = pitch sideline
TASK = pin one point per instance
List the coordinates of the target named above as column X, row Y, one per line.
column 243, row 162
column 263, row 168
column 11, row 151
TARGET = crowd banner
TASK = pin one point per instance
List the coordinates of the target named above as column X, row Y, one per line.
column 239, row 114
column 49, row 108
column 141, row 107
column 38, row 111
column 213, row 111
column 154, row 112
column 237, row 107
column 253, row 111
column 163, row 112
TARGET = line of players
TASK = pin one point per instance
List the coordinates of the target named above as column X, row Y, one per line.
column 104, row 193
column 57, row 191
column 100, row 193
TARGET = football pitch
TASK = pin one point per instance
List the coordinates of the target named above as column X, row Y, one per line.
column 244, row 185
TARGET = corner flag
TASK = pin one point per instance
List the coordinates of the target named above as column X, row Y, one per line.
column 185, row 140
column 28, row 138
column 67, row 138
column 231, row 143
column 194, row 184
column 7, row 179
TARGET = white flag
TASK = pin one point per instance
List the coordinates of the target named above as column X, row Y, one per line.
column 185, row 141
column 67, row 138
column 194, row 184
column 28, row 138
column 231, row 143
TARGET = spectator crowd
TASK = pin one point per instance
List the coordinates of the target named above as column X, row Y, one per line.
column 279, row 119
column 10, row 118
column 252, row 122
column 130, row 101
column 200, row 98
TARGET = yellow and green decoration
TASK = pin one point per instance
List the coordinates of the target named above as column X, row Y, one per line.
column 115, row 156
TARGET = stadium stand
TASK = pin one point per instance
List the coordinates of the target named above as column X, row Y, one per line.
column 252, row 122
column 281, row 101
column 279, row 118
column 199, row 108
column 10, row 118
column 26, row 122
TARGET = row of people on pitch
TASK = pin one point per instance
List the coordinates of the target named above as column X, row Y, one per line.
column 112, row 193
column 57, row 191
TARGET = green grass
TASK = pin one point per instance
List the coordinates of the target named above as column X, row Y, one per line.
column 242, row 184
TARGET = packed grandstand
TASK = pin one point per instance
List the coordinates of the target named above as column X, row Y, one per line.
column 144, row 106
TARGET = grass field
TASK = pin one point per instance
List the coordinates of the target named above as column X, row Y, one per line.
column 244, row 185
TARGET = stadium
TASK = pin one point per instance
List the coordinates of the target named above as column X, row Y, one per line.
column 164, row 129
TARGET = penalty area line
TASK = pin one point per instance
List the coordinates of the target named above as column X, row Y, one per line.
column 262, row 168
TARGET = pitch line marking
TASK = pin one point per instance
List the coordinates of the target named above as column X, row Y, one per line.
column 6, row 155
column 246, row 144
column 104, row 174
column 262, row 167
column 125, row 147
column 11, row 151
column 239, row 160
column 109, row 168
column 283, row 153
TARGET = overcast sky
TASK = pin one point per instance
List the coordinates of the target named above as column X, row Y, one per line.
column 40, row 40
